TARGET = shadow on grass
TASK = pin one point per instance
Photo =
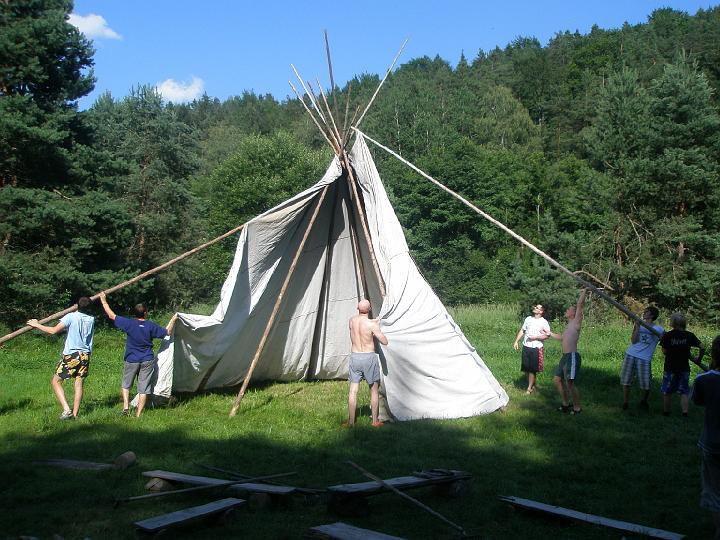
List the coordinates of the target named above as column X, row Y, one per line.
column 15, row 405
column 599, row 462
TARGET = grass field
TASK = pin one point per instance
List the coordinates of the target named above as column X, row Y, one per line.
column 633, row 466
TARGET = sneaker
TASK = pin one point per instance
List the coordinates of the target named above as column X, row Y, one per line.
column 685, row 415
column 625, row 406
column 666, row 413
column 125, row 412
column 67, row 415
column 564, row 408
column 576, row 411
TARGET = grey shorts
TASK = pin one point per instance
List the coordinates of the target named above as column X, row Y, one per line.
column 143, row 371
column 632, row 365
column 364, row 366
column 569, row 366
column 710, row 474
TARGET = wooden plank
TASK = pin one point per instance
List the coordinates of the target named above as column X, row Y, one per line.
column 343, row 531
column 400, row 482
column 590, row 518
column 75, row 464
column 208, row 481
column 157, row 523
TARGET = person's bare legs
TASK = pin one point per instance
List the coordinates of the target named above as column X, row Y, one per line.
column 126, row 398
column 626, row 395
column 684, row 403
column 531, row 382
column 352, row 403
column 666, row 404
column 142, row 399
column 77, row 398
column 56, row 384
column 575, row 393
column 375, row 403
column 644, row 396
column 561, row 390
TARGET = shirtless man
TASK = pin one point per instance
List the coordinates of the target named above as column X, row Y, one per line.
column 364, row 360
column 569, row 366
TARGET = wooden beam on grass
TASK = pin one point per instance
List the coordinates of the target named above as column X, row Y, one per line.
column 590, row 518
column 276, row 307
column 408, row 498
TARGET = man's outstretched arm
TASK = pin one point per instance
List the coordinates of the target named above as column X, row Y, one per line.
column 52, row 330
column 109, row 312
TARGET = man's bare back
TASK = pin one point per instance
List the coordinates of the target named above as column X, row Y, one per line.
column 571, row 334
column 362, row 330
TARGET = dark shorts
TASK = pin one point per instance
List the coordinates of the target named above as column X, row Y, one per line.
column 569, row 366
column 710, row 474
column 143, row 371
column 364, row 366
column 73, row 366
column 532, row 359
column 675, row 382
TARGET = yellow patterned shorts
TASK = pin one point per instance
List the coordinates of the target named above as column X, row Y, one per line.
column 73, row 366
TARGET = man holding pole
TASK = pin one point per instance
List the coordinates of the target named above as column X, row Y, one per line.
column 569, row 367
column 364, row 362
column 139, row 356
column 75, row 361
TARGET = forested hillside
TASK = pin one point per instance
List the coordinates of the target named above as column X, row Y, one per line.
column 602, row 149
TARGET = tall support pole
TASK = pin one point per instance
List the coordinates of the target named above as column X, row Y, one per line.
column 361, row 216
column 522, row 240
column 124, row 284
column 276, row 307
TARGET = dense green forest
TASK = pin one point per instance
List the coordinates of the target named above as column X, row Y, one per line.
column 603, row 149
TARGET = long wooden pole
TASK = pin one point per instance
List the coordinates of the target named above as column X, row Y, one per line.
column 126, row 283
column 201, row 488
column 407, row 497
column 522, row 240
column 381, row 83
column 276, row 307
column 366, row 233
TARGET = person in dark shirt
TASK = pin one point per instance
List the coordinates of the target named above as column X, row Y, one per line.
column 139, row 356
column 706, row 393
column 677, row 345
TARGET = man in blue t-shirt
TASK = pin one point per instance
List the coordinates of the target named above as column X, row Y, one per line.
column 75, row 361
column 139, row 356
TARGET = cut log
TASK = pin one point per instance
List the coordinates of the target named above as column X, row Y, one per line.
column 250, row 487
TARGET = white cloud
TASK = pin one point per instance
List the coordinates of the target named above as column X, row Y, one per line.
column 179, row 92
column 93, row 26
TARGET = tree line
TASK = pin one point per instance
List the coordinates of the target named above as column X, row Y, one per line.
column 603, row 149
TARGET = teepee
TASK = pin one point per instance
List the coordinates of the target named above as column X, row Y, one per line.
column 297, row 276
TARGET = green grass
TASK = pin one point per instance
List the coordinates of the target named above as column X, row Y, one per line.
column 636, row 467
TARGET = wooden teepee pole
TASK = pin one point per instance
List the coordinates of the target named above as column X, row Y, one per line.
column 361, row 217
column 276, row 307
column 522, row 240
column 126, row 283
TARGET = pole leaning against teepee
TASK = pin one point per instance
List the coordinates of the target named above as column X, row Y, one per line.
column 124, row 284
column 276, row 307
column 522, row 240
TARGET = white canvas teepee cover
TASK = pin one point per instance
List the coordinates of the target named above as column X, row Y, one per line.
column 429, row 369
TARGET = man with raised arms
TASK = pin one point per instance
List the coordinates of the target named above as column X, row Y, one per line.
column 569, row 367
column 364, row 361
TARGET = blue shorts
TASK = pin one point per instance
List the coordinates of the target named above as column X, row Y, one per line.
column 364, row 366
column 674, row 381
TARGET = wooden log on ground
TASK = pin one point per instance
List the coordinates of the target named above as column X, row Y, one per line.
column 366, row 489
column 343, row 531
column 188, row 515
column 123, row 461
column 235, row 485
column 590, row 518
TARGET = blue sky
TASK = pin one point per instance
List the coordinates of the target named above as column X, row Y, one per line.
column 223, row 47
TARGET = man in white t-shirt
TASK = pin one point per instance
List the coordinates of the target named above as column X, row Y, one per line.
column 534, row 330
column 638, row 357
